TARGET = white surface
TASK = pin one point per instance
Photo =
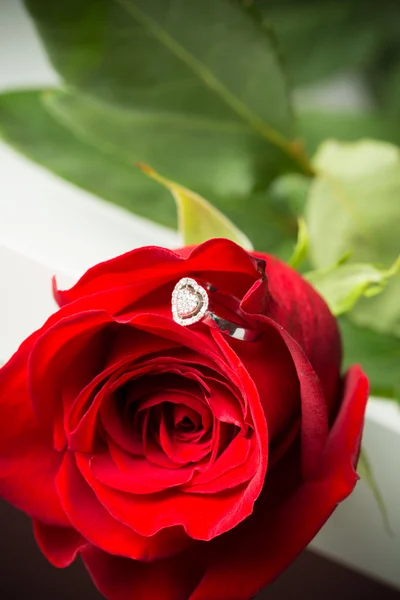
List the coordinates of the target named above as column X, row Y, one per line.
column 63, row 226
column 50, row 227
column 355, row 534
column 22, row 60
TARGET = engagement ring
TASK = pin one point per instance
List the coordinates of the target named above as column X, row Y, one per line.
column 192, row 303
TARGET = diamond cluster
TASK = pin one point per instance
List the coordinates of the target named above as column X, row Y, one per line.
column 189, row 302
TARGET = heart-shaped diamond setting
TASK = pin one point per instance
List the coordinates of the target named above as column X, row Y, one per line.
column 189, row 302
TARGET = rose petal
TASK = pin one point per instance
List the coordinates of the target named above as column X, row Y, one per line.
column 83, row 414
column 82, row 417
column 182, row 452
column 314, row 410
column 302, row 312
column 129, row 344
column 186, row 397
column 58, row 351
column 243, row 561
column 60, row 545
column 144, row 269
column 139, row 476
column 185, row 419
column 201, row 516
column 248, row 558
column 236, row 465
column 96, row 524
column 198, row 339
column 314, row 405
column 224, row 403
column 117, row 431
column 219, row 513
column 119, row 579
column 118, row 272
column 270, row 365
column 344, row 442
column 28, row 462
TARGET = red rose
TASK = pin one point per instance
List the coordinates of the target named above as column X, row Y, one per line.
column 179, row 462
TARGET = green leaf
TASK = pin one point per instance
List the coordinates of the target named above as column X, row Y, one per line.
column 198, row 219
column 197, row 91
column 317, row 126
column 28, row 127
column 378, row 354
column 390, row 88
column 342, row 286
column 301, row 249
column 289, row 192
column 209, row 65
column 366, row 473
column 353, row 205
column 213, row 157
column 26, row 124
column 323, row 38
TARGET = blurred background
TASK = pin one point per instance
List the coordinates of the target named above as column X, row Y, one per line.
column 60, row 212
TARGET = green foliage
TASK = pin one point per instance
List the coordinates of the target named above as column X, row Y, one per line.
column 204, row 68
column 216, row 156
column 289, row 192
column 198, row 219
column 195, row 90
column 208, row 60
column 320, row 39
column 344, row 284
column 27, row 126
column 378, row 354
column 353, row 205
column 317, row 126
column 300, row 251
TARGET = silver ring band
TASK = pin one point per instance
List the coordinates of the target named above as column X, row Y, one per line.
column 192, row 302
